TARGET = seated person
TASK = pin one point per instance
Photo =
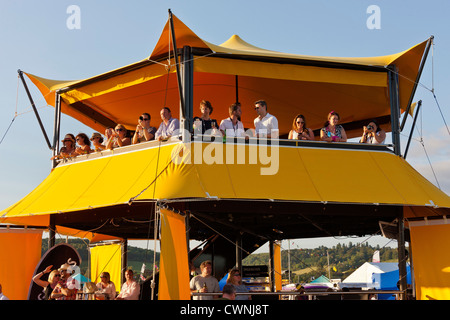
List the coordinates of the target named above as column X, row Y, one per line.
column 373, row 134
column 299, row 129
column 97, row 141
column 168, row 127
column 332, row 131
column 130, row 288
column 205, row 122
column 68, row 148
column 266, row 125
column 106, row 288
column 233, row 126
column 118, row 138
column 144, row 131
column 84, row 144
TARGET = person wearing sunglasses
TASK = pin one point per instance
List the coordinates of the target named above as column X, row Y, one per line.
column 299, row 129
column 144, row 131
column 118, row 138
column 49, row 284
column 84, row 144
column 266, row 125
column 234, row 279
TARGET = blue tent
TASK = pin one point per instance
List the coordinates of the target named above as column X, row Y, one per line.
column 388, row 281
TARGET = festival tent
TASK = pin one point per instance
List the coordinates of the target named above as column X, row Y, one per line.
column 388, row 281
column 363, row 276
column 244, row 198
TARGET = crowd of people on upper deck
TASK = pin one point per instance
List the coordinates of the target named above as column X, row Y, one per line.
column 265, row 126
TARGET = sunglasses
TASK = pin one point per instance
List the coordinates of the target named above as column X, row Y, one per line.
column 236, row 275
column 143, row 119
column 120, row 129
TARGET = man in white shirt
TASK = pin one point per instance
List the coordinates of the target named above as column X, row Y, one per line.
column 266, row 125
column 130, row 288
column 232, row 126
column 168, row 127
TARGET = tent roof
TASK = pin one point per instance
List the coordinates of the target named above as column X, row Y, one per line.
column 321, row 279
column 356, row 87
column 364, row 273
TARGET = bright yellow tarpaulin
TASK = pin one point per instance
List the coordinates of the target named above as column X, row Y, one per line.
column 107, row 258
column 430, row 245
column 174, row 267
column 20, row 252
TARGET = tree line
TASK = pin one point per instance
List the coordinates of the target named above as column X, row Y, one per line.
column 342, row 260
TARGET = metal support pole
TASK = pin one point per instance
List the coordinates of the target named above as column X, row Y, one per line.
column 34, row 109
column 412, row 128
column 395, row 110
column 422, row 65
column 401, row 257
column 56, row 128
column 271, row 266
column 51, row 231
column 188, row 90
column 239, row 252
column 177, row 65
column 124, row 258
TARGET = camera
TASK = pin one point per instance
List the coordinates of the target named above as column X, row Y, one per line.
column 369, row 127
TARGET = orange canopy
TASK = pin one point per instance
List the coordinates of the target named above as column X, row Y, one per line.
column 357, row 88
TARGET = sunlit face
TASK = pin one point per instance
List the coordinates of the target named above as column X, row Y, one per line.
column 204, row 110
column 260, row 109
column 334, row 119
column 129, row 275
column 165, row 114
column 238, row 112
column 120, row 131
column 300, row 123
column 207, row 270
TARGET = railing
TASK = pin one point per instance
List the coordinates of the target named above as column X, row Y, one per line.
column 313, row 295
column 250, row 141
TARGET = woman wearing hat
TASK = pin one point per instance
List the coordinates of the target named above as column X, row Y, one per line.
column 68, row 149
column 97, row 141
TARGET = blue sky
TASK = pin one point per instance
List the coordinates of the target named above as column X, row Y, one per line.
column 36, row 39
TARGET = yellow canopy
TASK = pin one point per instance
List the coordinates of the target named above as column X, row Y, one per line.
column 357, row 88
column 159, row 173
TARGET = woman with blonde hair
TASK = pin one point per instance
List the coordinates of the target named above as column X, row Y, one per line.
column 299, row 129
column 118, row 138
column 106, row 288
column 234, row 278
column 49, row 284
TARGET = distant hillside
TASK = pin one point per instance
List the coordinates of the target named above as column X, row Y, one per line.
column 308, row 263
